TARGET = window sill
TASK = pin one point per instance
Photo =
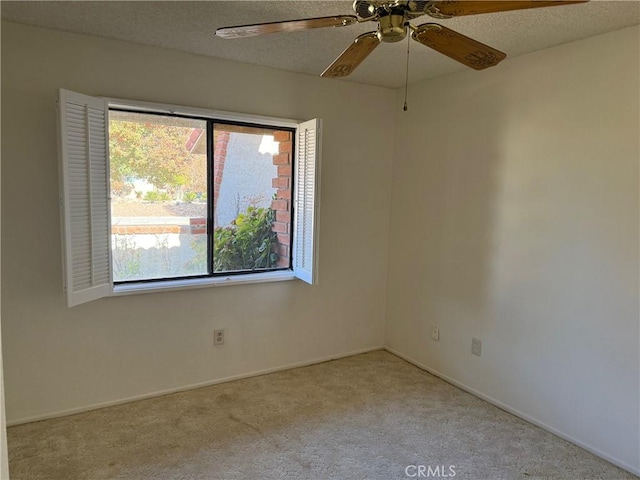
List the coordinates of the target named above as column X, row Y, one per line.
column 187, row 284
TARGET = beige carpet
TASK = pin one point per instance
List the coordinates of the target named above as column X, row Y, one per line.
column 364, row 417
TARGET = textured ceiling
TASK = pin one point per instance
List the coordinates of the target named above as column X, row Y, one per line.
column 189, row 26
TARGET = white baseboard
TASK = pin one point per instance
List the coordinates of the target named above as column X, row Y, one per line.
column 518, row 413
column 159, row 393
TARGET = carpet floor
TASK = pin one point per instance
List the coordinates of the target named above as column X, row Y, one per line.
column 370, row 416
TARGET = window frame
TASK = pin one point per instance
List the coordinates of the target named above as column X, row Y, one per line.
column 210, row 129
column 298, row 221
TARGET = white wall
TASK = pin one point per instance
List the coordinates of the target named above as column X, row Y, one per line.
column 4, row 460
column 515, row 220
column 58, row 359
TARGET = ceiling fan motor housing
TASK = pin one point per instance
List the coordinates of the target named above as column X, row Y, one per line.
column 370, row 9
column 392, row 27
column 392, row 16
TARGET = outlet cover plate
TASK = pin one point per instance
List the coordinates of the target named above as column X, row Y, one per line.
column 435, row 333
column 476, row 346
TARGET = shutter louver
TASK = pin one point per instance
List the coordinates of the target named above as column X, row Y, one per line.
column 307, row 190
column 84, row 161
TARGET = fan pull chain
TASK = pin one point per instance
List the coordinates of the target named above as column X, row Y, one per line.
column 406, row 77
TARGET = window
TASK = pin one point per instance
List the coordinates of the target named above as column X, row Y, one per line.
column 160, row 198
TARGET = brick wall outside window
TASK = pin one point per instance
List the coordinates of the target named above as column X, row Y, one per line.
column 282, row 203
column 220, row 141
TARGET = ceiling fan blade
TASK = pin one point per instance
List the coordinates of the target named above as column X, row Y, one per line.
column 241, row 31
column 458, row 47
column 353, row 55
column 446, row 9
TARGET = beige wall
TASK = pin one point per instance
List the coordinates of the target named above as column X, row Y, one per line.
column 4, row 461
column 57, row 358
column 515, row 220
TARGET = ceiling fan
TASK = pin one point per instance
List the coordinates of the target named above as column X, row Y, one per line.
column 393, row 17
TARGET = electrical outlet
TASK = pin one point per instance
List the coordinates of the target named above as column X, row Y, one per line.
column 218, row 337
column 435, row 333
column 476, row 346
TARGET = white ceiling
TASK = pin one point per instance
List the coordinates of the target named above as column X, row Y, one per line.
column 189, row 26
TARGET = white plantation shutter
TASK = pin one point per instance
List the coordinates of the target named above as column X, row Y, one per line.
column 84, row 161
column 306, row 197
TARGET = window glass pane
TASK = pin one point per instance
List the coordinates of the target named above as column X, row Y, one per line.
column 159, row 196
column 252, row 198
